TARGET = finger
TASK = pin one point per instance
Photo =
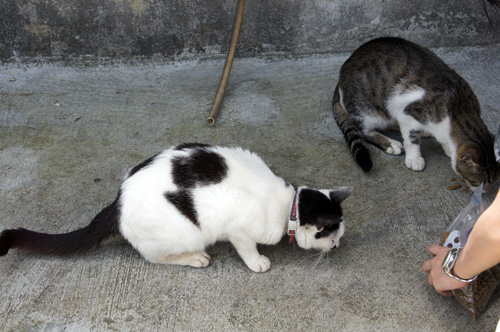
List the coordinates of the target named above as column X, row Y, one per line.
column 445, row 293
column 429, row 280
column 426, row 266
column 434, row 249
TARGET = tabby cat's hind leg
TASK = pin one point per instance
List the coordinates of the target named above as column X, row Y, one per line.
column 196, row 259
column 388, row 145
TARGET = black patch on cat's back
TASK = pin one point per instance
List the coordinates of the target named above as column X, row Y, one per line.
column 202, row 167
column 183, row 201
column 185, row 146
column 142, row 165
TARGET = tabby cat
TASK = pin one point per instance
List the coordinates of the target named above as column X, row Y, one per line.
column 175, row 204
column 391, row 83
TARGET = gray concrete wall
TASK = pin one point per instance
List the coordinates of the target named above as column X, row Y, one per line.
column 70, row 29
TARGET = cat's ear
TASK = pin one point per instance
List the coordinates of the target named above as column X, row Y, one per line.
column 338, row 194
column 468, row 153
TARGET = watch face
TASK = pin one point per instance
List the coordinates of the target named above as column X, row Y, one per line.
column 448, row 262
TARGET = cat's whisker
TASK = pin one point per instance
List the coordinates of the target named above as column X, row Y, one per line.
column 317, row 254
column 321, row 255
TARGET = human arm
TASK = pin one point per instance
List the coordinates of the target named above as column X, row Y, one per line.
column 481, row 252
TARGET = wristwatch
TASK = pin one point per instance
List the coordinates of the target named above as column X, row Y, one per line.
column 449, row 262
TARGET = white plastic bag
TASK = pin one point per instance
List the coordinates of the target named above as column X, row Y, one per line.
column 457, row 233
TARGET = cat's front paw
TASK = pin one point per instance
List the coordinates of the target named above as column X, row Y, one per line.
column 416, row 164
column 261, row 264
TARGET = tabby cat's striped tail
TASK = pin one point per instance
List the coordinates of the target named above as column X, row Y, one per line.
column 104, row 225
column 353, row 136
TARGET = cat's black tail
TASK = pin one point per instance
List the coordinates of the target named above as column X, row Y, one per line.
column 104, row 225
column 353, row 136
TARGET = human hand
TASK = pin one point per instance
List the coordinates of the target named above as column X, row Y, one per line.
column 443, row 283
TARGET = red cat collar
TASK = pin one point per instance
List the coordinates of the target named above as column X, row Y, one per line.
column 292, row 221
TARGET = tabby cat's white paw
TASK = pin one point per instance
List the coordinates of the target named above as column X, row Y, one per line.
column 396, row 148
column 261, row 264
column 416, row 164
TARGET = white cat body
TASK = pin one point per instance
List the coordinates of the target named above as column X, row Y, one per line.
column 235, row 203
column 249, row 205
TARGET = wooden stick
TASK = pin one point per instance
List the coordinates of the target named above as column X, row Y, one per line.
column 219, row 96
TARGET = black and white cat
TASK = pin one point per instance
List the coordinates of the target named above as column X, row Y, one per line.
column 175, row 204
column 391, row 83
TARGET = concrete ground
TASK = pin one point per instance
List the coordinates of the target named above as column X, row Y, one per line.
column 68, row 135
